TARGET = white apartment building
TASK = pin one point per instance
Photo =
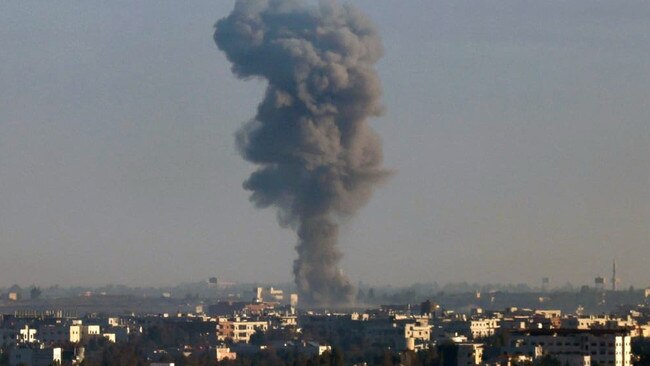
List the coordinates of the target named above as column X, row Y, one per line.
column 419, row 330
column 239, row 330
column 59, row 333
column 12, row 336
column 27, row 335
column 90, row 331
column 604, row 347
column 473, row 328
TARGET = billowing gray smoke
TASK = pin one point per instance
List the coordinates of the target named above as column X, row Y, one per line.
column 318, row 158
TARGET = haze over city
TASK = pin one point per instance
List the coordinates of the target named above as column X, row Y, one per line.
column 517, row 134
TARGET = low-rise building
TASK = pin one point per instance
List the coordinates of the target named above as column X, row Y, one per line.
column 27, row 335
column 223, row 353
column 473, row 328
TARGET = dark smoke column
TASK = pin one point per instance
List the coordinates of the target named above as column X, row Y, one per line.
column 318, row 159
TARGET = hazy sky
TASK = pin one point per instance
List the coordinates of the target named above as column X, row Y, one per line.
column 519, row 132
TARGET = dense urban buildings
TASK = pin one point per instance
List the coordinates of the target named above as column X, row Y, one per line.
column 272, row 328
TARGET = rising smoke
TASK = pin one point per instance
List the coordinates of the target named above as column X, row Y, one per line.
column 318, row 159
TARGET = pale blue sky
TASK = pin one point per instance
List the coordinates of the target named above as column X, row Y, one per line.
column 518, row 129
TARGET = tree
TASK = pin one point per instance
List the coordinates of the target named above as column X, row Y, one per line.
column 641, row 348
column 336, row 357
column 429, row 357
column 448, row 352
column 548, row 360
column 258, row 338
column 387, row 359
column 4, row 357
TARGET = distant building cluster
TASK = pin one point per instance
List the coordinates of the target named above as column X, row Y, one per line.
column 227, row 330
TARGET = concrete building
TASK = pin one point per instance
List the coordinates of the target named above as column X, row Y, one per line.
column 27, row 335
column 118, row 334
column 90, row 331
column 603, row 346
column 597, row 322
column 239, row 330
column 13, row 336
column 74, row 332
column 288, row 321
column 223, row 353
column 418, row 330
column 398, row 333
column 316, row 349
column 35, row 356
column 59, row 333
column 473, row 328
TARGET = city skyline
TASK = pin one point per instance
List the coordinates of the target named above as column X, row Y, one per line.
column 518, row 134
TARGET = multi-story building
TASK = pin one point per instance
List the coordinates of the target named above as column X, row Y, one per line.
column 90, row 331
column 74, row 332
column 35, row 356
column 418, row 329
column 239, row 330
column 59, row 333
column 597, row 322
column 473, row 328
column 398, row 333
column 12, row 336
column 607, row 347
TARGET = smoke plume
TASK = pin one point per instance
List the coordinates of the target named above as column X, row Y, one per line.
column 318, row 158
